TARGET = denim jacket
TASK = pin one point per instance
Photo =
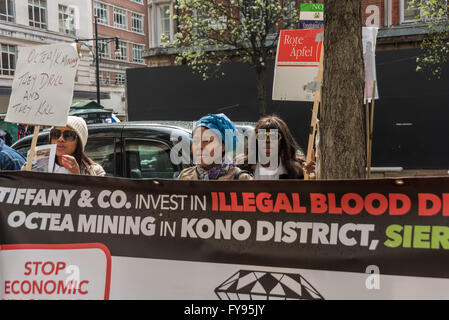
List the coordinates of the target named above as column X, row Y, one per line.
column 9, row 158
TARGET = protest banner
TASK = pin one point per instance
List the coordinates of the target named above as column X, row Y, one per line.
column 296, row 66
column 311, row 16
column 112, row 238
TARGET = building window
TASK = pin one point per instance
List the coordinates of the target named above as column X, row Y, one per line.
column 162, row 24
column 104, row 49
column 105, row 77
column 8, row 59
column 119, row 18
column 37, row 13
column 7, row 10
column 408, row 14
column 138, row 1
column 136, row 22
column 66, row 20
column 120, row 79
column 137, row 53
column 123, row 48
column 102, row 13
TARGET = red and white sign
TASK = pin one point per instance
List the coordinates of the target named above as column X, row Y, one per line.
column 59, row 271
column 297, row 62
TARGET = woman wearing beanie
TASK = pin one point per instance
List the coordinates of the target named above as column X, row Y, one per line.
column 70, row 156
column 211, row 134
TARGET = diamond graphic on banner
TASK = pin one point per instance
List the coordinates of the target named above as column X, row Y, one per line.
column 257, row 285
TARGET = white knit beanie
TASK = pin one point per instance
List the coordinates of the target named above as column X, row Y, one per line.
column 80, row 127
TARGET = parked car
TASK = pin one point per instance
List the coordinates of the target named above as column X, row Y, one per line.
column 136, row 149
column 127, row 149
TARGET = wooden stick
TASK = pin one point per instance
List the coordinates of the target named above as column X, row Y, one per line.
column 32, row 149
column 367, row 135
column 371, row 127
column 316, row 103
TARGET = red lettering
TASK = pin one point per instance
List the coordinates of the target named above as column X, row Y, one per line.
column 214, row 201
column 36, row 287
column 62, row 287
column 12, row 287
column 234, row 202
column 423, row 199
column 223, row 205
column 37, row 264
column 51, row 264
column 7, row 287
column 263, row 202
column 249, row 202
column 333, row 209
column 27, row 268
column 406, row 204
column 383, row 204
column 318, row 203
column 445, row 204
column 358, row 203
column 60, row 265
column 297, row 205
column 46, row 287
column 29, row 287
column 81, row 289
column 282, row 203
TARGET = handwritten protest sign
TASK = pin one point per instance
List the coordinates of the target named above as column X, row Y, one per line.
column 297, row 62
column 42, row 89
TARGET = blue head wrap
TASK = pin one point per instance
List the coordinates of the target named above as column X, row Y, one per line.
column 220, row 124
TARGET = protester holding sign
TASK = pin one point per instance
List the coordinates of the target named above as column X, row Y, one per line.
column 71, row 141
column 214, row 141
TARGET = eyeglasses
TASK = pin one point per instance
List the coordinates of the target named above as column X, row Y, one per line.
column 272, row 135
column 68, row 135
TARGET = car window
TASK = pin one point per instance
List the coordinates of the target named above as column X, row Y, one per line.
column 148, row 159
column 23, row 151
column 106, row 152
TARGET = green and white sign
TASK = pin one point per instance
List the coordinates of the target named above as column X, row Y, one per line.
column 311, row 16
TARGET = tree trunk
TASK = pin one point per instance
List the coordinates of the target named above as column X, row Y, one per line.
column 342, row 135
column 262, row 91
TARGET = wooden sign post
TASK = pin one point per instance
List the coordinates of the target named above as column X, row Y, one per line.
column 313, row 122
column 369, row 131
column 33, row 148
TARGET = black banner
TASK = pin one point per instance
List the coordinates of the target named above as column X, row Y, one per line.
column 399, row 225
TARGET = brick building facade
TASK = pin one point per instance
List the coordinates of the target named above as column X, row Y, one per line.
column 127, row 20
column 398, row 28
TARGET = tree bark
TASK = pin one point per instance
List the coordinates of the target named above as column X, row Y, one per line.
column 262, row 91
column 342, row 135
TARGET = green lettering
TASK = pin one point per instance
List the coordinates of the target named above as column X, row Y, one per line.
column 407, row 236
column 440, row 236
column 421, row 237
column 393, row 232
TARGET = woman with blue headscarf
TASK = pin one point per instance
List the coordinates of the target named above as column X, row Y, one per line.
column 214, row 142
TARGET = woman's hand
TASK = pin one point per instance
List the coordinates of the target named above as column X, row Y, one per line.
column 70, row 164
column 308, row 167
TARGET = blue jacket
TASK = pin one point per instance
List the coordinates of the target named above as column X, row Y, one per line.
column 10, row 159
